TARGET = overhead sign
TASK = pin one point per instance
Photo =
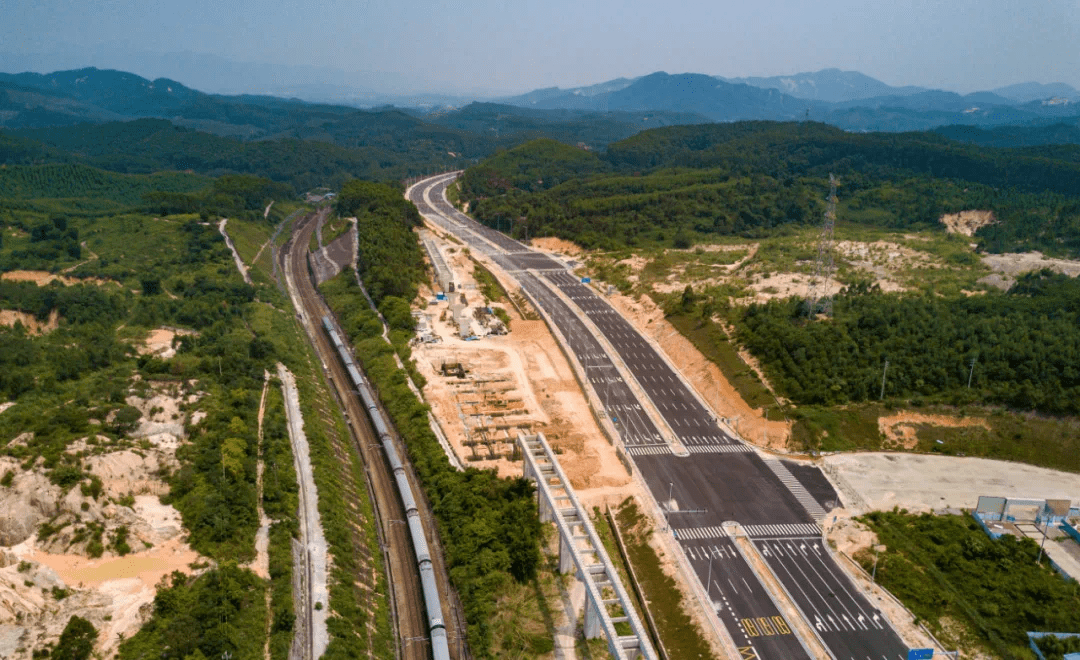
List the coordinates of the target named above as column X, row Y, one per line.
column 920, row 654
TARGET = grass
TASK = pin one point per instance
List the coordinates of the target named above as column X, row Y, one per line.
column 334, row 228
column 607, row 537
column 980, row 595
column 490, row 287
column 682, row 638
column 837, row 429
column 713, row 343
column 1050, row 442
column 524, row 625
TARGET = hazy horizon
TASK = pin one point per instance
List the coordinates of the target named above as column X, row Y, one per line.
column 484, row 48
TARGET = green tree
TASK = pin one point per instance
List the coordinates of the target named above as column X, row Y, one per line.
column 77, row 640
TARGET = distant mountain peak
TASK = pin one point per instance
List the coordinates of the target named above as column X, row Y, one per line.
column 831, row 85
column 1033, row 91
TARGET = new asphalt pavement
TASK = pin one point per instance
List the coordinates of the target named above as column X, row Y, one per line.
column 719, row 479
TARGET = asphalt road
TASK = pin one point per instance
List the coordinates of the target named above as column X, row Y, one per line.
column 722, row 479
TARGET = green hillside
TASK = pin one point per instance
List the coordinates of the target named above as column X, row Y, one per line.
column 687, row 182
column 65, row 181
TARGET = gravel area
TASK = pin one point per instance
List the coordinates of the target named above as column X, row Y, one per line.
column 920, row 482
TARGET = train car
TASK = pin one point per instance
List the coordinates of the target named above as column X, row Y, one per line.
column 440, row 648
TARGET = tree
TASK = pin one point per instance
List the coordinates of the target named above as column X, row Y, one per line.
column 126, row 418
column 77, row 640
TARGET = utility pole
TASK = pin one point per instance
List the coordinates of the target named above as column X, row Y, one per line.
column 708, row 583
column 971, row 372
column 883, row 372
column 1043, row 544
column 873, row 573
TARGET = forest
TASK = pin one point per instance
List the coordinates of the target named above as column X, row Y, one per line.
column 685, row 183
column 488, row 525
column 1020, row 348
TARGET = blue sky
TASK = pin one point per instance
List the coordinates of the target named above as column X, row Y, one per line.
column 490, row 45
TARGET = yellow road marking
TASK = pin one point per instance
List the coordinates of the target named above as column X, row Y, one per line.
column 781, row 625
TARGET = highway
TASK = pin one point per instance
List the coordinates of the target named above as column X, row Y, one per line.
column 407, row 606
column 717, row 479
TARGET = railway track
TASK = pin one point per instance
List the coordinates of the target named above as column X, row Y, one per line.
column 407, row 606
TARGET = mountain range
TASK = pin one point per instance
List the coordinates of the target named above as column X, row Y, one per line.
column 595, row 114
column 846, row 99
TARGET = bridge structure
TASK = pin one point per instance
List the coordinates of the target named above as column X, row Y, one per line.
column 580, row 550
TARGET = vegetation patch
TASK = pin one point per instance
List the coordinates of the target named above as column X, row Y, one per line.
column 972, row 592
column 682, row 637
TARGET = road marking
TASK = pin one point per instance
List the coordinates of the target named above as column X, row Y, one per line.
column 801, row 494
column 686, row 533
column 798, row 530
column 648, row 450
column 719, row 449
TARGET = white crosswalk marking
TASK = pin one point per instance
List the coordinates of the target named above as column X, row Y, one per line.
column 733, row 448
column 648, row 450
column 698, row 533
column 783, row 530
column 801, row 494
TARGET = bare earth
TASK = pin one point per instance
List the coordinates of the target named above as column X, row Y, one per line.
column 516, row 382
column 160, row 342
column 967, row 222
column 41, row 278
column 113, row 592
column 899, row 429
column 33, row 326
column 920, row 482
column 1007, row 266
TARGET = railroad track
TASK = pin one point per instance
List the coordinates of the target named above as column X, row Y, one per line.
column 407, row 607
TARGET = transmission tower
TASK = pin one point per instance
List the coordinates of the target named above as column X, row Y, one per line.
column 820, row 300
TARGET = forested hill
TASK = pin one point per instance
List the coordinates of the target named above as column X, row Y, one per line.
column 672, row 184
column 150, row 145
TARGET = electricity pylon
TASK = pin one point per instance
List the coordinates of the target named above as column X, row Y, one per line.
column 820, row 300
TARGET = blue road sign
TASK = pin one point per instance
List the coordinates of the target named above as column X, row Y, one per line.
column 586, row 280
column 920, row 654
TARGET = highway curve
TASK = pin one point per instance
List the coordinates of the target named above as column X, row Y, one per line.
column 407, row 607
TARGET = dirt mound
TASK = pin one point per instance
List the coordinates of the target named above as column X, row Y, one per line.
column 552, row 244
column 967, row 222
column 900, row 429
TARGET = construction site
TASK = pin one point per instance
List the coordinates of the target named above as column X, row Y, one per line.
column 488, row 381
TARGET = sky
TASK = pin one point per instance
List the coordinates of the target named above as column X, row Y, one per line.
column 496, row 46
